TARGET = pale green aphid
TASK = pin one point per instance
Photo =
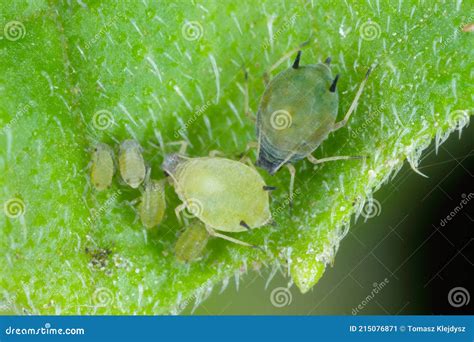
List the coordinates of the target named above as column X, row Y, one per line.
column 224, row 194
column 191, row 242
column 153, row 204
column 102, row 167
column 131, row 163
column 297, row 112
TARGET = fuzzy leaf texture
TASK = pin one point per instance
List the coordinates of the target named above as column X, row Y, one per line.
column 74, row 73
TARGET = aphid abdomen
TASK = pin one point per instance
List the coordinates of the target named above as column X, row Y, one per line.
column 271, row 159
column 153, row 204
column 296, row 114
column 222, row 193
column 103, row 168
column 191, row 243
column 131, row 163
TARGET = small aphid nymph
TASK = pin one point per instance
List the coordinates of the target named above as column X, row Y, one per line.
column 191, row 242
column 102, row 167
column 131, row 163
column 153, row 204
column 226, row 195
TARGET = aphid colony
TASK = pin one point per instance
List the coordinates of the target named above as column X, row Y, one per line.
column 296, row 114
column 222, row 194
column 133, row 172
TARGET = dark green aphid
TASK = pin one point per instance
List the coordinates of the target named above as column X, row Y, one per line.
column 191, row 242
column 297, row 112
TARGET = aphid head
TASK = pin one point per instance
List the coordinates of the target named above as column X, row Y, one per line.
column 268, row 163
column 130, row 145
column 171, row 162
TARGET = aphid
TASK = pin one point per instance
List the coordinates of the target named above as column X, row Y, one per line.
column 102, row 167
column 225, row 194
column 297, row 112
column 191, row 242
column 131, row 163
column 153, row 204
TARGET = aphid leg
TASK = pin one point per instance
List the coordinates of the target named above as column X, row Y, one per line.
column 212, row 232
column 292, row 171
column 287, row 55
column 313, row 160
column 250, row 145
column 133, row 205
column 248, row 113
column 216, row 153
column 178, row 210
column 353, row 106
column 248, row 161
column 183, row 145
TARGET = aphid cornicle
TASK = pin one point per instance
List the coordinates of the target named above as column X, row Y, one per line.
column 102, row 167
column 226, row 195
column 191, row 242
column 153, row 204
column 131, row 163
column 297, row 112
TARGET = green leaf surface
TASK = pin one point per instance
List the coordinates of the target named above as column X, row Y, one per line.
column 73, row 73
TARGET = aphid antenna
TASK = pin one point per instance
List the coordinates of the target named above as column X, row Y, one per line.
column 269, row 188
column 183, row 145
column 147, row 173
column 115, row 140
column 328, row 61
